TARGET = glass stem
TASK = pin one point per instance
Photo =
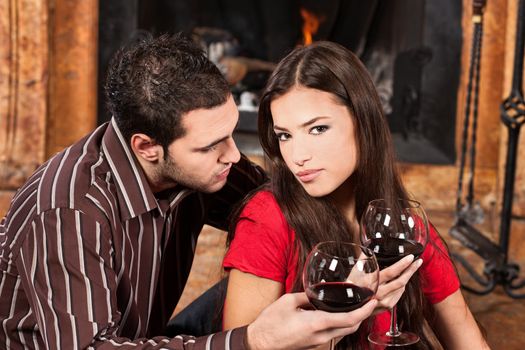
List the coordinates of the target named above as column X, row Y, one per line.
column 394, row 331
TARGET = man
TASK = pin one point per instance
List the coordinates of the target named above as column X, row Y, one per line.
column 98, row 244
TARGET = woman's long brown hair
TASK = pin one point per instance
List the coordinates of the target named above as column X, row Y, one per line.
column 330, row 67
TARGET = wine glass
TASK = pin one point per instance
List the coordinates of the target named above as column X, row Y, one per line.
column 340, row 277
column 393, row 230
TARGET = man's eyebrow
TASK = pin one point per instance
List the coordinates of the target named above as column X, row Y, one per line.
column 305, row 124
column 211, row 144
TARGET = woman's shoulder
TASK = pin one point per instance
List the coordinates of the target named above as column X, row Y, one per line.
column 263, row 201
column 263, row 195
column 263, row 209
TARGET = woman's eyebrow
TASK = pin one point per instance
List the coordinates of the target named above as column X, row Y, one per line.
column 305, row 124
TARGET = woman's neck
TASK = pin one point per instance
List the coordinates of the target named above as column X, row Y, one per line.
column 344, row 199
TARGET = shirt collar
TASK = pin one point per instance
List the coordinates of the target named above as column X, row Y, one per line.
column 134, row 192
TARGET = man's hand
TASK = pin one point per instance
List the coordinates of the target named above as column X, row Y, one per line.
column 284, row 325
column 392, row 282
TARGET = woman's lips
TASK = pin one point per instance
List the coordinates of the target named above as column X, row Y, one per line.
column 308, row 175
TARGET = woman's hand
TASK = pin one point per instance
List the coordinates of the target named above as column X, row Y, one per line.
column 392, row 282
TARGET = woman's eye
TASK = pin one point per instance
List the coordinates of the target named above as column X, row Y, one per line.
column 316, row 130
column 282, row 136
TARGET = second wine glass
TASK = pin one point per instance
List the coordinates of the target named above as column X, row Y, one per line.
column 340, row 277
column 393, row 230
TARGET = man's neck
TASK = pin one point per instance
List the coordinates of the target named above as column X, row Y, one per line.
column 154, row 178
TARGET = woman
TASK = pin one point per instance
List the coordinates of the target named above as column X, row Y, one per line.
column 322, row 127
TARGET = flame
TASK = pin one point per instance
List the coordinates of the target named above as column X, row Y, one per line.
column 310, row 25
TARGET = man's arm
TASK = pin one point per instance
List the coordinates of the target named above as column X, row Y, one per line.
column 244, row 177
column 65, row 264
column 285, row 325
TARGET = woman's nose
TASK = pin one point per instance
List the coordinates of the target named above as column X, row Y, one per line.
column 300, row 153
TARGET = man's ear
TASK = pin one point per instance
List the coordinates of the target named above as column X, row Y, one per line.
column 146, row 148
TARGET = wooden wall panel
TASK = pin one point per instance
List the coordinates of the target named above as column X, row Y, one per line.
column 48, row 75
column 491, row 79
column 73, row 67
column 23, row 91
column 516, row 244
column 519, row 186
column 517, row 229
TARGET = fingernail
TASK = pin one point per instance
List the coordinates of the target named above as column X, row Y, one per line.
column 419, row 262
column 410, row 257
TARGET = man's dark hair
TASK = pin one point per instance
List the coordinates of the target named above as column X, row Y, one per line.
column 152, row 83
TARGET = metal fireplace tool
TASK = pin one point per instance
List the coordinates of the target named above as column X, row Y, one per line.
column 497, row 270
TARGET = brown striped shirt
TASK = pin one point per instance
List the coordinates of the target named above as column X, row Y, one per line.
column 91, row 258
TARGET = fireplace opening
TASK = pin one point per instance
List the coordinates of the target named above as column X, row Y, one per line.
column 412, row 49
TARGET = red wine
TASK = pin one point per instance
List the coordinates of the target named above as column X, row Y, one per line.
column 388, row 251
column 338, row 296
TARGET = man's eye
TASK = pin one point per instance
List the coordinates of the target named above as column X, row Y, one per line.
column 209, row 149
column 316, row 130
column 282, row 136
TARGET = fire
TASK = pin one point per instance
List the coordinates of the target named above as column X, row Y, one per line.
column 310, row 25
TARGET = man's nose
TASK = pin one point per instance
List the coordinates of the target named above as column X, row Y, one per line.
column 231, row 153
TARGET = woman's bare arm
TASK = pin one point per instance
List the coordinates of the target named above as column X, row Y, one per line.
column 455, row 325
column 247, row 296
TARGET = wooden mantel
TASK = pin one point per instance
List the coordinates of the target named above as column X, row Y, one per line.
column 48, row 70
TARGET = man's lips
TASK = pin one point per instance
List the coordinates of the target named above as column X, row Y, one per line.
column 308, row 175
column 224, row 174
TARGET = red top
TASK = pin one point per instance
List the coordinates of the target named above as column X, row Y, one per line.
column 264, row 246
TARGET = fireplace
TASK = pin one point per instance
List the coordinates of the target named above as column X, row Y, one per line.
column 411, row 47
